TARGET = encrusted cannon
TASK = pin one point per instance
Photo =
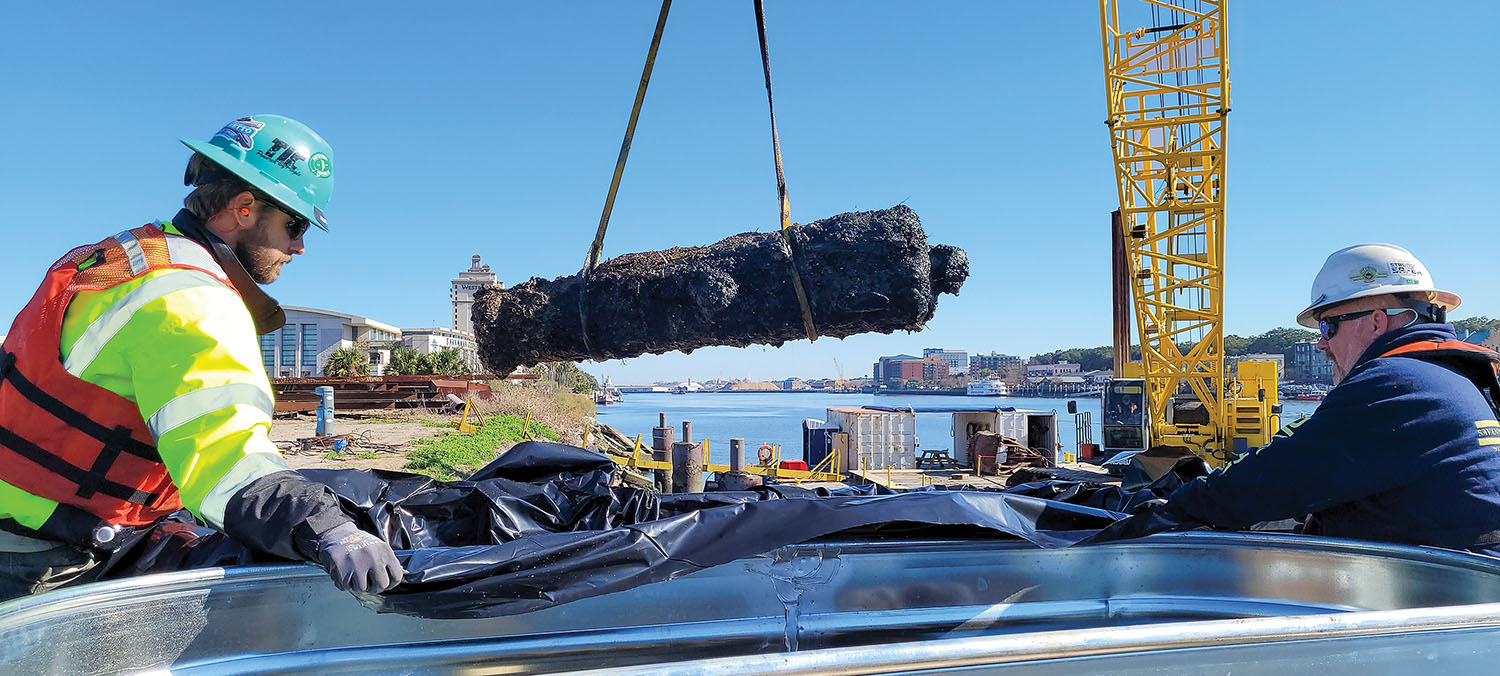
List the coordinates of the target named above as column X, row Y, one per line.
column 868, row 271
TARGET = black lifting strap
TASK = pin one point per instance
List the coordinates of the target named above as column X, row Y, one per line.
column 783, row 202
column 597, row 247
column 115, row 442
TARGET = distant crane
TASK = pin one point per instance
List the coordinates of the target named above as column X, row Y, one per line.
column 838, row 369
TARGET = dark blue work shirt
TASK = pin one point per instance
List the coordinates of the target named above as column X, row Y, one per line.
column 1403, row 450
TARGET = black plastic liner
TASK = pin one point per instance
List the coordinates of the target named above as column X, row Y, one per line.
column 541, row 526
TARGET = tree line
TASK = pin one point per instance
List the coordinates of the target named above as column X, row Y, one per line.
column 353, row 361
column 1275, row 341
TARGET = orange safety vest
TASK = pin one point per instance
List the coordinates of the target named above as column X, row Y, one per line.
column 69, row 440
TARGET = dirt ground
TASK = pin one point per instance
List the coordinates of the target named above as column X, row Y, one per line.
column 388, row 440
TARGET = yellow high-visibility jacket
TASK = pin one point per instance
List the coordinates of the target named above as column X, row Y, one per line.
column 181, row 345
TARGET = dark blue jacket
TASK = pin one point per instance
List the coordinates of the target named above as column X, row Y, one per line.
column 1393, row 453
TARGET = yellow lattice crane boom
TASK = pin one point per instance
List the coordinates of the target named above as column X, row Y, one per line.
column 1167, row 85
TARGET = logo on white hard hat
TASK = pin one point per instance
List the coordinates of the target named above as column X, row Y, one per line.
column 1367, row 274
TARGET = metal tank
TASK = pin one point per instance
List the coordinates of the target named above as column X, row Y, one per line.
column 1170, row 604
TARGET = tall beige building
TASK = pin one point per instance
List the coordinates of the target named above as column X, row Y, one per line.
column 462, row 294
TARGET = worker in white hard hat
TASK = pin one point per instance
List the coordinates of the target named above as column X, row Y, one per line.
column 1405, row 448
column 1382, row 282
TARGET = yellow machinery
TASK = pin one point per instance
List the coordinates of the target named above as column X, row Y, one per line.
column 1168, row 92
column 827, row 470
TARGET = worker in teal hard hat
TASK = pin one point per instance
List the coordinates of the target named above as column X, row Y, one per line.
column 1404, row 447
column 132, row 384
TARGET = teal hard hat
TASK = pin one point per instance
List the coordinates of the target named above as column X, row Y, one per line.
column 278, row 156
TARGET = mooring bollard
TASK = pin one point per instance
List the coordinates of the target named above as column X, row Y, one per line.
column 736, row 479
column 687, row 431
column 325, row 411
column 736, row 455
column 661, row 447
column 687, row 467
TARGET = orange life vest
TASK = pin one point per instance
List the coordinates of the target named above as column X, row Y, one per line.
column 67, row 439
column 1480, row 364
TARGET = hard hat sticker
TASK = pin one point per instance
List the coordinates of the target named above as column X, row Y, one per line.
column 283, row 155
column 319, row 165
column 241, row 132
column 1405, row 268
column 1367, row 274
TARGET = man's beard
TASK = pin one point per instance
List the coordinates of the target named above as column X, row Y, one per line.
column 261, row 260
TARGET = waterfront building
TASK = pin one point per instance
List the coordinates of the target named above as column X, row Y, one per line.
column 1097, row 378
column 957, row 360
column 793, row 384
column 300, row 349
column 430, row 340
column 1048, row 370
column 463, row 290
column 1280, row 360
column 889, row 368
column 935, row 367
column 1308, row 364
column 994, row 361
column 1482, row 337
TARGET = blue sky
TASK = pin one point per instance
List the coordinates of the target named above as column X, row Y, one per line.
column 492, row 128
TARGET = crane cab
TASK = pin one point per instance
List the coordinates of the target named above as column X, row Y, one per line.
column 1125, row 421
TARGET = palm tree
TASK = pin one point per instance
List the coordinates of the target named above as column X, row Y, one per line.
column 448, row 362
column 347, row 362
column 405, row 362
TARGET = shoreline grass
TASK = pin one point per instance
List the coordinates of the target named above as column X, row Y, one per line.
column 453, row 456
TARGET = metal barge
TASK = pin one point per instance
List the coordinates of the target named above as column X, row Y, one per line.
column 1174, row 604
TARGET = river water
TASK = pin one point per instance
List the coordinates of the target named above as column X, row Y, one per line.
column 776, row 418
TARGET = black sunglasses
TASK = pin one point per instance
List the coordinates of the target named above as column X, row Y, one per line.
column 297, row 226
column 1329, row 326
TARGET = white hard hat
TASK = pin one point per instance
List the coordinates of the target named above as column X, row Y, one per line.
column 1366, row 270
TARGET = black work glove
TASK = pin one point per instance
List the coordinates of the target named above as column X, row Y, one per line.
column 358, row 561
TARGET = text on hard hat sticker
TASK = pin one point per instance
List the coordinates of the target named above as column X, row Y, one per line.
column 241, row 132
column 283, row 155
column 1405, row 268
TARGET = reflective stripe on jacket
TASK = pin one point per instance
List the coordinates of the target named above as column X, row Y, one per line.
column 159, row 352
